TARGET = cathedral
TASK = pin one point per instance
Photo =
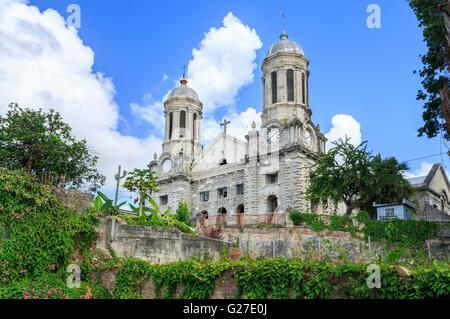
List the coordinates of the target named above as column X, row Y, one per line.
column 243, row 182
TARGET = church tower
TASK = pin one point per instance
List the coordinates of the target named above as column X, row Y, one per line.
column 285, row 83
column 183, row 114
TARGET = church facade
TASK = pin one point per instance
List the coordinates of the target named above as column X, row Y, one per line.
column 251, row 181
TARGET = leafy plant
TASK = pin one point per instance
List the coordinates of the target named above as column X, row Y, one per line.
column 40, row 235
column 351, row 174
column 106, row 208
column 40, row 143
column 142, row 181
column 183, row 214
column 435, row 67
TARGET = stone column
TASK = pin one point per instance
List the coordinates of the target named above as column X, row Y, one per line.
column 167, row 121
column 281, row 78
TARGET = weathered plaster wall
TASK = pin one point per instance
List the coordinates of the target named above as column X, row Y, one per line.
column 156, row 245
column 289, row 242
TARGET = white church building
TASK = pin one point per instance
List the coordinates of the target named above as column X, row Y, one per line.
column 251, row 181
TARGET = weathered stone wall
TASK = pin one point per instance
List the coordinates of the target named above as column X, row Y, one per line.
column 156, row 245
column 289, row 242
column 73, row 199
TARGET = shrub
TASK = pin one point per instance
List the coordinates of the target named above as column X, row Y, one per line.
column 183, row 214
column 41, row 234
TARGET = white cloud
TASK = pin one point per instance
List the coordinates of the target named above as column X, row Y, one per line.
column 240, row 124
column 45, row 64
column 224, row 63
column 424, row 169
column 221, row 66
column 344, row 125
column 152, row 113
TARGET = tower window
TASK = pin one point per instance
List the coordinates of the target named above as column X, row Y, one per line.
column 182, row 123
column 274, row 87
column 170, row 125
column 290, row 85
column 303, row 89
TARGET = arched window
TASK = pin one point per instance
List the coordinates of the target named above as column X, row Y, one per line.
column 194, row 126
column 274, row 87
column 303, row 88
column 290, row 85
column 182, row 123
column 170, row 125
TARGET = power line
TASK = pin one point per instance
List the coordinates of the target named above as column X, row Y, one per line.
column 416, row 159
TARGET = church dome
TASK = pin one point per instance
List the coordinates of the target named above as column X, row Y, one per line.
column 183, row 91
column 284, row 45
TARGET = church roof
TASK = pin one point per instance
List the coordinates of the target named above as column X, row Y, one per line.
column 284, row 45
column 416, row 180
column 423, row 182
column 183, row 91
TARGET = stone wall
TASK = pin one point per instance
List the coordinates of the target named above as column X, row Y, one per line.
column 73, row 199
column 156, row 245
column 289, row 242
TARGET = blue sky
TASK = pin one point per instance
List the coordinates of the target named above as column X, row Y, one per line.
column 357, row 71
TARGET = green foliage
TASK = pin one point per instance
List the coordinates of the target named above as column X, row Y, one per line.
column 155, row 219
column 131, row 273
column 316, row 222
column 42, row 233
column 40, row 236
column 411, row 233
column 280, row 279
column 352, row 175
column 435, row 64
column 106, row 208
column 183, row 214
column 142, row 181
column 390, row 185
column 41, row 143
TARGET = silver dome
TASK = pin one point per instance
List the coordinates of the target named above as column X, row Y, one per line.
column 284, row 45
column 183, row 91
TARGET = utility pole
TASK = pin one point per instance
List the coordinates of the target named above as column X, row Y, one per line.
column 117, row 177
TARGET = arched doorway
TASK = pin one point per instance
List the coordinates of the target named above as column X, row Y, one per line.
column 204, row 218
column 272, row 207
column 240, row 212
column 221, row 215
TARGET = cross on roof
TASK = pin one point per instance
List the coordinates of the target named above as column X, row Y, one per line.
column 184, row 70
column 224, row 124
column 284, row 20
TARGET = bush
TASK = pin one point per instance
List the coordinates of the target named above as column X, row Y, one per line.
column 183, row 214
column 41, row 234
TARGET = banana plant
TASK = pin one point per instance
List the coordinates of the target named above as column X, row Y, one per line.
column 107, row 207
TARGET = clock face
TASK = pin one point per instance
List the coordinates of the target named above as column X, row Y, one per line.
column 273, row 136
column 167, row 165
column 308, row 137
